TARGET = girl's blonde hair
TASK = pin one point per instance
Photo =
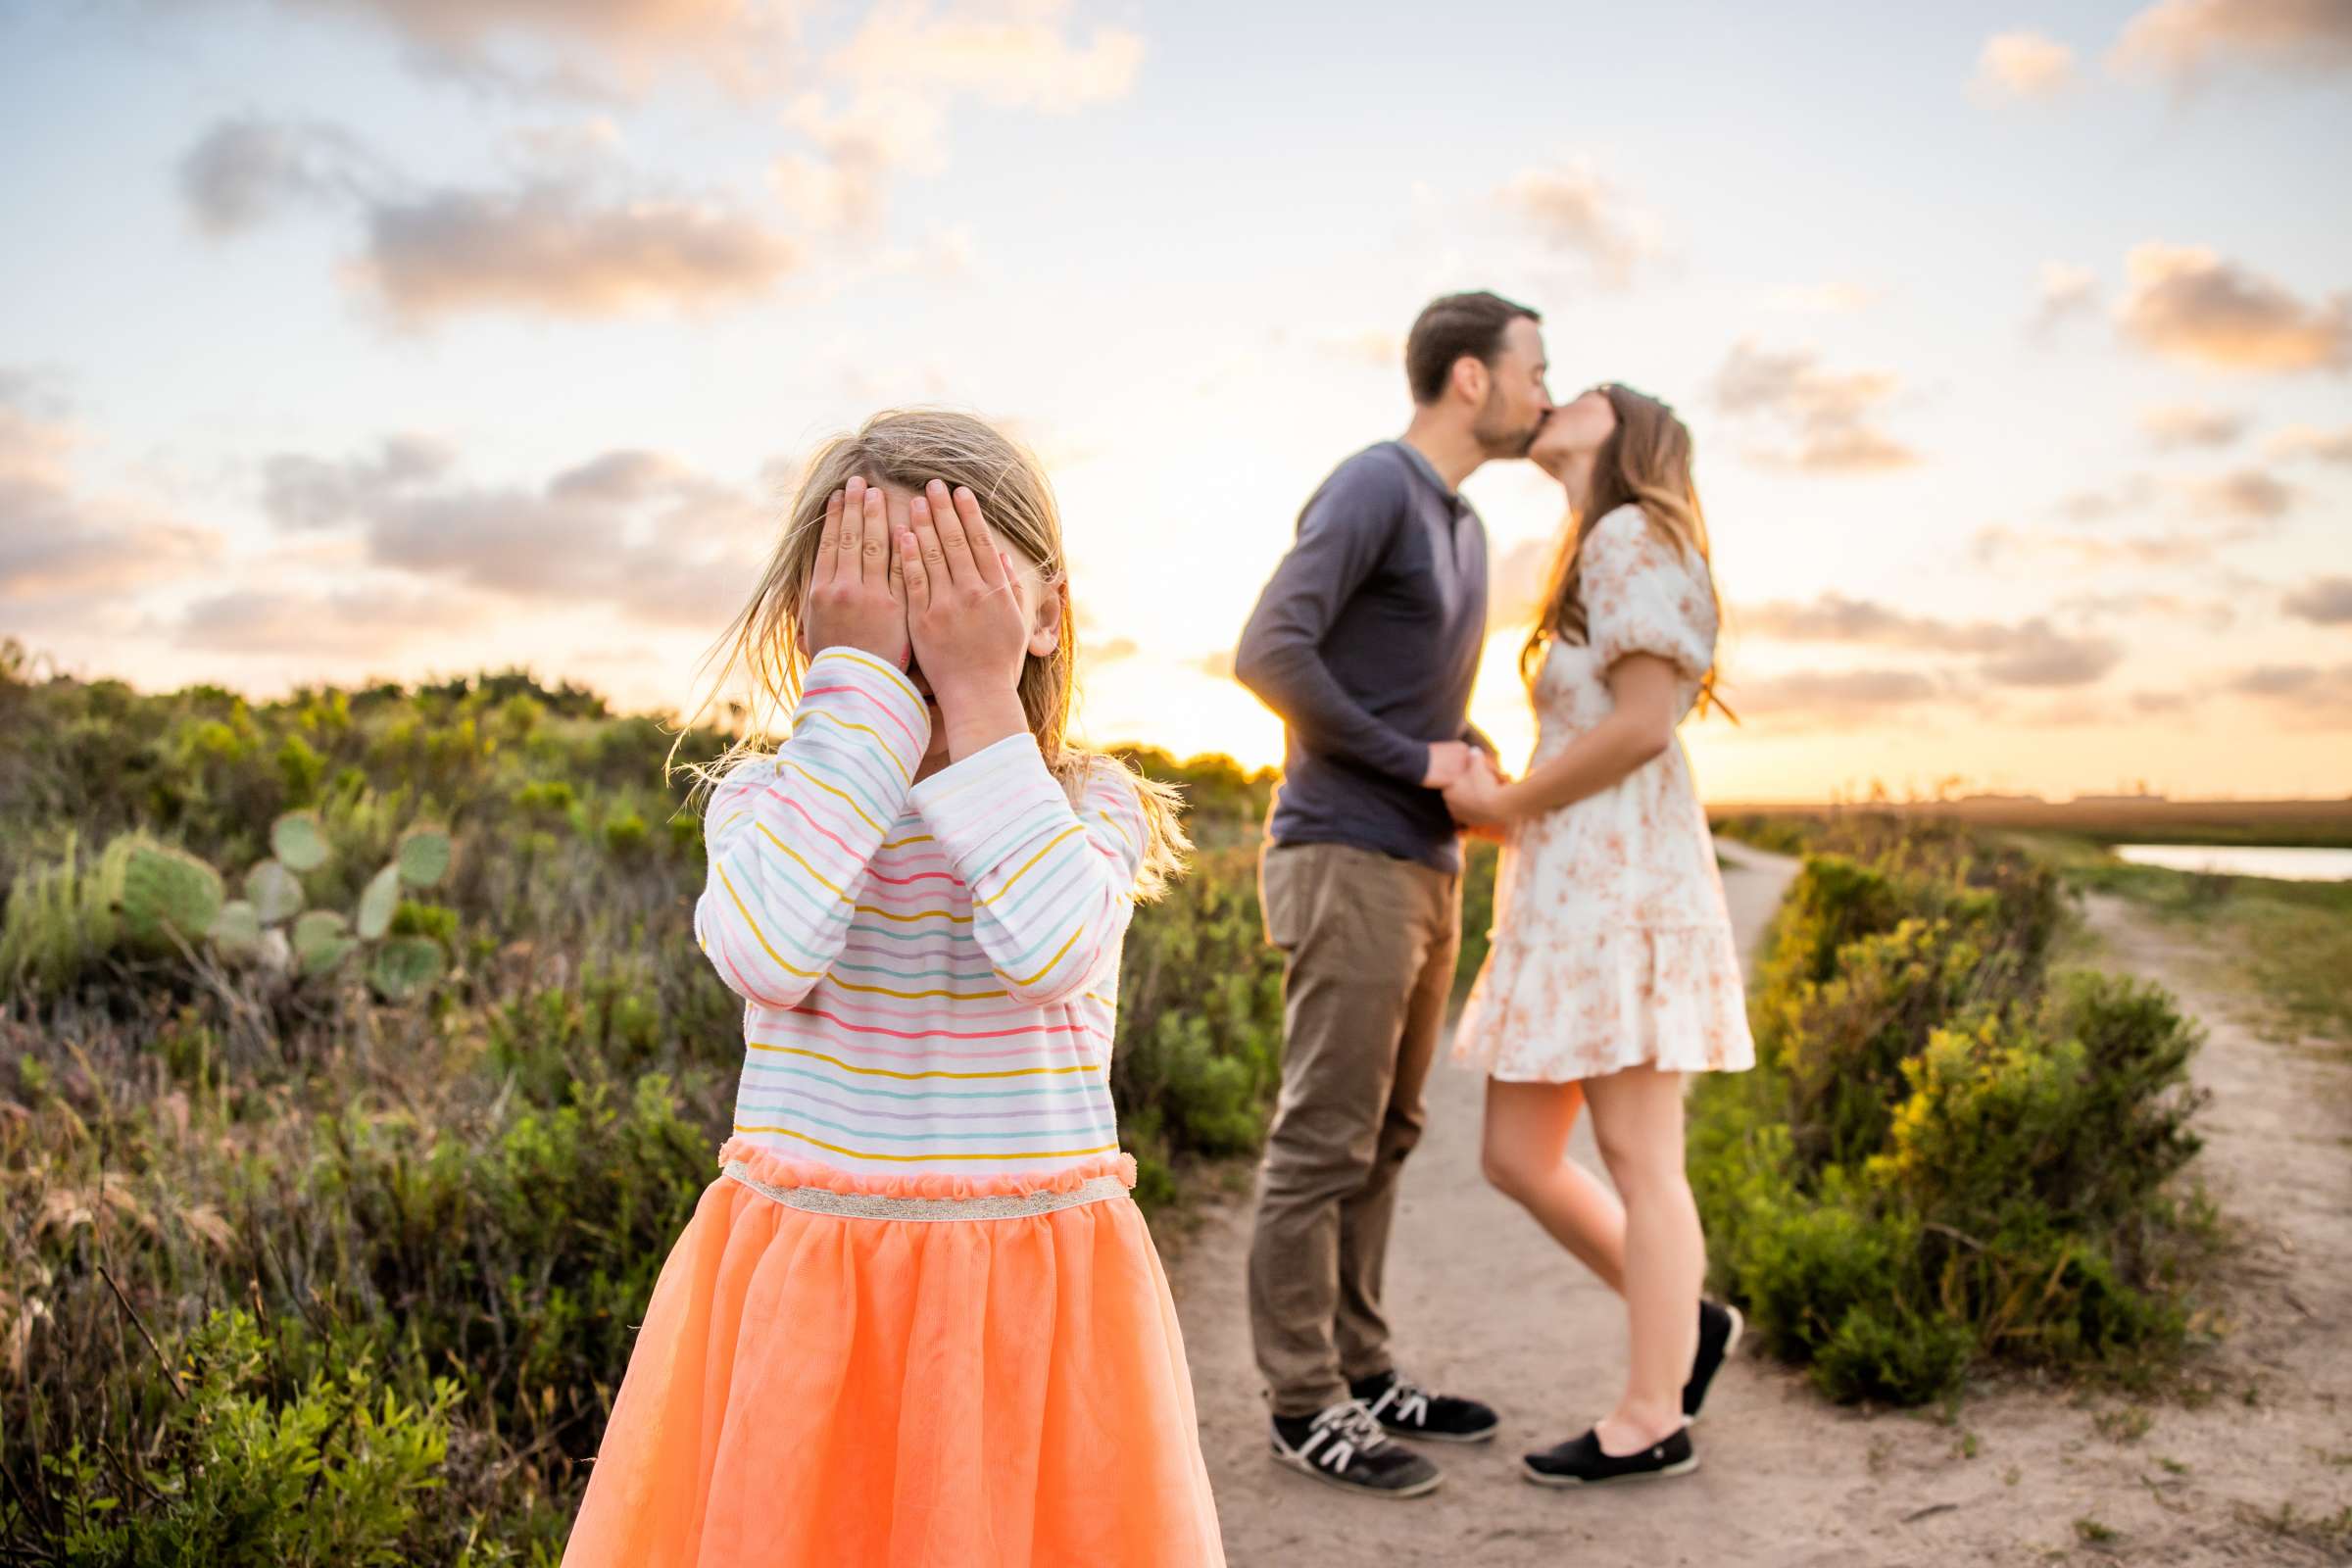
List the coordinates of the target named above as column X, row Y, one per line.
column 908, row 448
column 1646, row 461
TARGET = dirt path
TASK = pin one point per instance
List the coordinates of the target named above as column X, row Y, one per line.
column 1486, row 1305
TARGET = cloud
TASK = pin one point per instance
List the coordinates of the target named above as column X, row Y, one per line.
column 554, row 249
column 2214, row 615
column 598, row 47
column 636, row 531
column 1116, row 651
column 1017, row 56
column 1573, row 209
column 1834, row 698
column 1827, row 299
column 905, row 72
column 2247, row 493
column 2024, row 65
column 1997, row 547
column 58, row 540
column 245, row 171
column 2186, row 303
column 347, row 622
column 2041, row 656
column 2318, row 696
column 2152, row 704
column 2127, row 496
column 2028, row 653
column 2065, row 291
column 2309, row 441
column 2185, row 40
column 562, row 243
column 2323, row 602
column 1828, row 416
column 2171, row 426
column 308, row 493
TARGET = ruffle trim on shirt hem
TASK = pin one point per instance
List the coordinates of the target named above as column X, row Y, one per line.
column 780, row 1170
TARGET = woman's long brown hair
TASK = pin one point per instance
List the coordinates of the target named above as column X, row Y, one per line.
column 1645, row 463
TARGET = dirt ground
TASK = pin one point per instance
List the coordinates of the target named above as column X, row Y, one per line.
column 1486, row 1305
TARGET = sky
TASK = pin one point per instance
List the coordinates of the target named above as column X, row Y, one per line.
column 390, row 338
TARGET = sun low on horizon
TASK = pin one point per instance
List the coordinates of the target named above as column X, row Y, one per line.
column 357, row 339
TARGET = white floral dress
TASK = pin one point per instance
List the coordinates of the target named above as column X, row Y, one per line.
column 1611, row 945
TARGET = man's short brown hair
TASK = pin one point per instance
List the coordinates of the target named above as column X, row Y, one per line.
column 1450, row 327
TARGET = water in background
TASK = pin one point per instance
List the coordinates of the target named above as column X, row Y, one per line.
column 2237, row 860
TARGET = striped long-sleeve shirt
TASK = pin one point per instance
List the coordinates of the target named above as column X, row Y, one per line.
column 930, row 970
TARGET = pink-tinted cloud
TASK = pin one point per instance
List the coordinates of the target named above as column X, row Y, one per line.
column 2186, row 303
column 59, row 539
column 2185, row 40
column 1827, row 419
column 2024, row 65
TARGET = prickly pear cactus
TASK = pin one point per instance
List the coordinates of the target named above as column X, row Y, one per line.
column 378, row 904
column 322, row 940
column 423, row 858
column 162, row 896
column 274, row 892
column 406, row 968
column 298, row 841
column 236, row 931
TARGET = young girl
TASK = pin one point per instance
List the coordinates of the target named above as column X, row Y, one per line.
column 1613, row 971
column 917, row 1320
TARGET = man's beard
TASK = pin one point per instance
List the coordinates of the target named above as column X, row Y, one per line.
column 1499, row 440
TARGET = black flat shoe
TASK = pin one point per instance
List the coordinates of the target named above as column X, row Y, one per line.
column 1578, row 1462
column 1719, row 1329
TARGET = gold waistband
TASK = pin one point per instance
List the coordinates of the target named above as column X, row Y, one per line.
column 874, row 1206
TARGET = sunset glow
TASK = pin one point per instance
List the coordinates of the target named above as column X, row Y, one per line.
column 392, row 337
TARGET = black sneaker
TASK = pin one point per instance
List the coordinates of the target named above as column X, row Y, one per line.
column 1406, row 1409
column 1720, row 1326
column 1578, row 1462
column 1343, row 1445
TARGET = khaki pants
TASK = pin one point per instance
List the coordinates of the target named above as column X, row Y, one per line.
column 1370, row 943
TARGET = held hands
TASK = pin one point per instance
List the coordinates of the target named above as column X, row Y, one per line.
column 1479, row 798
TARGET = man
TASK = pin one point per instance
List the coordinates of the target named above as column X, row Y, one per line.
column 1366, row 641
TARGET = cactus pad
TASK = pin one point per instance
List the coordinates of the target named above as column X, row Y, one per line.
column 377, row 903
column 161, row 893
column 275, row 895
column 406, row 968
column 298, row 841
column 423, row 856
column 236, row 931
column 322, row 941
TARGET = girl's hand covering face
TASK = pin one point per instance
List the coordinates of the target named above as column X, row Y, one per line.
column 856, row 592
column 963, row 619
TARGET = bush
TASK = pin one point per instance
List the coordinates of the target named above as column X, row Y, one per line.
column 1942, row 1156
column 1200, row 1030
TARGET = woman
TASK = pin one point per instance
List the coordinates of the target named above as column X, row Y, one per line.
column 1613, row 970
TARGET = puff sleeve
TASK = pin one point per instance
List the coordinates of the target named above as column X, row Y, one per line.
column 1642, row 596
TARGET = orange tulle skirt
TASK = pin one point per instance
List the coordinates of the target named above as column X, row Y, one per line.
column 814, row 1389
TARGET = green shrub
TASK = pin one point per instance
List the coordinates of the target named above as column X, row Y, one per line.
column 1942, row 1156
column 1199, row 1028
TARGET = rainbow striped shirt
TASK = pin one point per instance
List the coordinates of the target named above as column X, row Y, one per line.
column 930, row 971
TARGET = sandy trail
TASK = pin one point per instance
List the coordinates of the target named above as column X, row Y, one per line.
column 1485, row 1304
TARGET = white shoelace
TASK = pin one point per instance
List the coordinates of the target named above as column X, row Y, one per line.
column 1407, row 1399
column 1341, row 1433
